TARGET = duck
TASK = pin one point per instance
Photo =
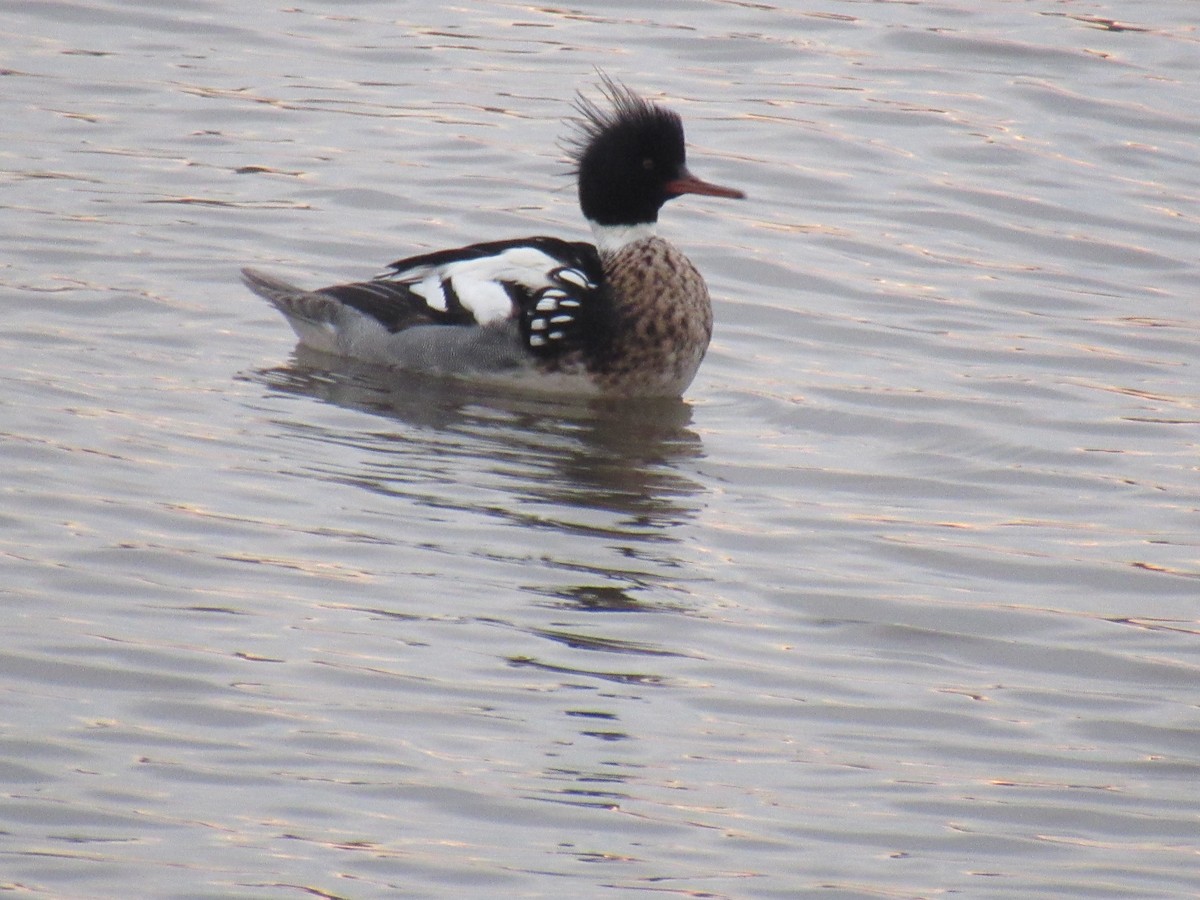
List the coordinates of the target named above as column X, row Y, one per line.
column 626, row 316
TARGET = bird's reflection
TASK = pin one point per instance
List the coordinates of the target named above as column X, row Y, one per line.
column 620, row 456
column 609, row 480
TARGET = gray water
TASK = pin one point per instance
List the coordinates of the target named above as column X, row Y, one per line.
column 901, row 600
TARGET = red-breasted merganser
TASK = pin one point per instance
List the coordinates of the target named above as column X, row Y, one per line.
column 629, row 316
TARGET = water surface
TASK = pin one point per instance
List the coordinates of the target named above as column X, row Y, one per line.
column 900, row 601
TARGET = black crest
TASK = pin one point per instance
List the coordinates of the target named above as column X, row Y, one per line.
column 624, row 155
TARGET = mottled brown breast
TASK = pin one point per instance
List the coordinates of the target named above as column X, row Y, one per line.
column 661, row 321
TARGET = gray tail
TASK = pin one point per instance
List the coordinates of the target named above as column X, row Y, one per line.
column 294, row 302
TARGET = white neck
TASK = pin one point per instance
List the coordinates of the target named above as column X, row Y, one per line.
column 611, row 238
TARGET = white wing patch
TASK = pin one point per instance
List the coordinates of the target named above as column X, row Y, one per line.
column 478, row 284
column 575, row 277
column 555, row 312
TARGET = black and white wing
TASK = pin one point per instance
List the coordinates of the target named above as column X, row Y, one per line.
column 552, row 290
column 550, row 286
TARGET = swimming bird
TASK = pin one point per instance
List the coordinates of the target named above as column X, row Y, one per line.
column 628, row 316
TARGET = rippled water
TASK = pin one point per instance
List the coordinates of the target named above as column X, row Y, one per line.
column 901, row 601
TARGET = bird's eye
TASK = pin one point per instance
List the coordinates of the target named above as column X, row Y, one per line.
column 648, row 163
